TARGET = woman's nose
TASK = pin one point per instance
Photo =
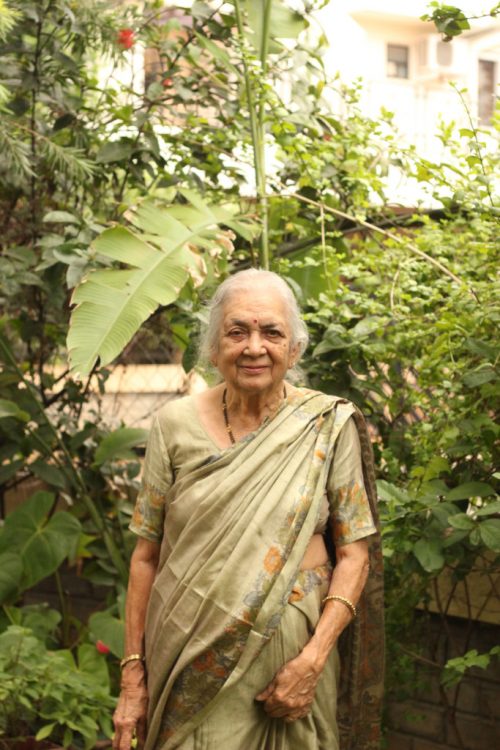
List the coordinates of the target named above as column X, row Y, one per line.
column 255, row 344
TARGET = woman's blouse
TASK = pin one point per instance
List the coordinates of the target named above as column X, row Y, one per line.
column 178, row 440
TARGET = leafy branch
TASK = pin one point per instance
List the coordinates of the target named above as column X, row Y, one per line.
column 389, row 235
column 16, row 154
column 451, row 21
column 8, row 19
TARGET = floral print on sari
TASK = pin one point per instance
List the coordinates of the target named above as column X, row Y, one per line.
column 352, row 518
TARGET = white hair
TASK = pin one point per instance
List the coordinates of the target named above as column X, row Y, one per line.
column 248, row 280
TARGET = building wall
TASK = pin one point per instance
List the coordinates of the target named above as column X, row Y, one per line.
column 359, row 32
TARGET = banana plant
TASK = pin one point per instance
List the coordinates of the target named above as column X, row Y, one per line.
column 156, row 256
column 261, row 24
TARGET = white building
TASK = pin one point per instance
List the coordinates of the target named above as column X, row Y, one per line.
column 407, row 68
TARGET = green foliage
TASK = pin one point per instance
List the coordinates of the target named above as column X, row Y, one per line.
column 49, row 694
column 456, row 668
column 60, row 453
column 33, row 545
column 8, row 20
column 40, row 619
column 451, row 21
column 118, row 444
column 417, row 350
column 10, row 409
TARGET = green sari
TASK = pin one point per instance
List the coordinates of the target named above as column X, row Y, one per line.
column 236, row 530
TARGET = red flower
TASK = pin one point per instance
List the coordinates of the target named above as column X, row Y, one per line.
column 102, row 648
column 126, row 38
column 167, row 82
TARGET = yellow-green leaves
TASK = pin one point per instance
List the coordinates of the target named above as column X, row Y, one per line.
column 151, row 263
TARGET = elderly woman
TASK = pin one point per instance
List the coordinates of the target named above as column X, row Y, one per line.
column 235, row 605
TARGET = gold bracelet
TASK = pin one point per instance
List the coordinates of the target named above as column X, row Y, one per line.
column 131, row 657
column 347, row 602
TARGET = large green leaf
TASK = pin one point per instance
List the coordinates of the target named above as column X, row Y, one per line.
column 284, row 23
column 390, row 493
column 93, row 664
column 470, row 489
column 490, row 533
column 11, row 570
column 48, row 473
column 480, row 377
column 335, row 338
column 367, row 327
column 110, row 630
column 111, row 304
column 60, row 217
column 12, row 410
column 114, row 151
column 119, row 442
column 490, row 509
column 461, row 521
column 41, row 542
column 218, row 53
column 429, row 553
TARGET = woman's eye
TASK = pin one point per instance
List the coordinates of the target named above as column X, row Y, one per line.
column 236, row 333
column 273, row 333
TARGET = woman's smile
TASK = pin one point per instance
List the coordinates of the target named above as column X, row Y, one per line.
column 254, row 369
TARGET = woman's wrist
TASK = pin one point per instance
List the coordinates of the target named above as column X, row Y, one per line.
column 137, row 656
column 133, row 674
column 315, row 654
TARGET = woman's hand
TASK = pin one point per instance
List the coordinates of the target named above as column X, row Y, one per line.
column 290, row 694
column 132, row 706
column 131, row 711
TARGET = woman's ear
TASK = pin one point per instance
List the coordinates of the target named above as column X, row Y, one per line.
column 294, row 356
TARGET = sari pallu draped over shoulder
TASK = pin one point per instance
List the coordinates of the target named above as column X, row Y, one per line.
column 236, row 529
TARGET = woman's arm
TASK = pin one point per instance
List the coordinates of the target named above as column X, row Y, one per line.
column 291, row 693
column 131, row 711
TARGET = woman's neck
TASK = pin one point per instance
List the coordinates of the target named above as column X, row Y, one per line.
column 252, row 408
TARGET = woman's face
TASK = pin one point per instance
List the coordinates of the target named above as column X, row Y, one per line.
column 254, row 351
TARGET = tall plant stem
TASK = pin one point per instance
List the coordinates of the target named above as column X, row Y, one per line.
column 257, row 125
column 76, row 477
column 64, row 609
column 33, row 141
column 261, row 132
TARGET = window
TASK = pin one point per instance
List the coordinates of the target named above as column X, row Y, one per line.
column 397, row 61
column 486, row 81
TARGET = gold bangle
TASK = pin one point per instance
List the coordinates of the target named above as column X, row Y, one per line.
column 131, row 657
column 347, row 602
